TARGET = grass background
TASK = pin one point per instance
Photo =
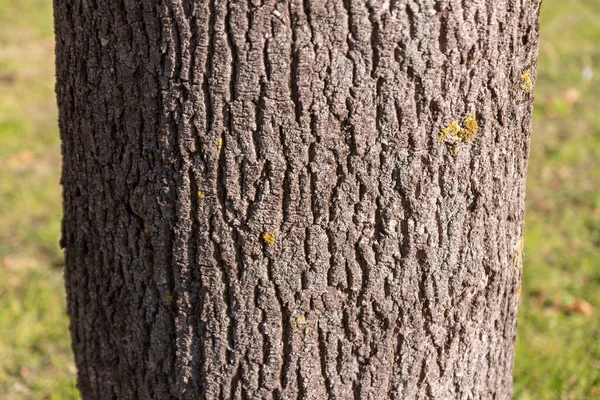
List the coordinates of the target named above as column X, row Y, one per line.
column 558, row 341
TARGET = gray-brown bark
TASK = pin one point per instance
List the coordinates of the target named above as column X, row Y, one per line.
column 192, row 128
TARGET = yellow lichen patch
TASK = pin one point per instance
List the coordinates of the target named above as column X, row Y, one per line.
column 471, row 127
column 520, row 289
column 219, row 144
column 269, row 238
column 519, row 254
column 455, row 133
column 526, row 82
column 451, row 131
column 301, row 325
column 201, row 195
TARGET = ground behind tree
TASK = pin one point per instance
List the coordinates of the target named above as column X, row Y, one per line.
column 558, row 341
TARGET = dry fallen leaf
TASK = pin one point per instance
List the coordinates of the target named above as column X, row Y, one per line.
column 580, row 306
column 19, row 388
column 16, row 262
column 22, row 160
column 72, row 368
column 24, row 372
column 7, row 78
column 571, row 95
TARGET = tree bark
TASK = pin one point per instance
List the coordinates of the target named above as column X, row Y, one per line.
column 259, row 201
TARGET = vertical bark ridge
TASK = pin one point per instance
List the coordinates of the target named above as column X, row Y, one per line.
column 193, row 128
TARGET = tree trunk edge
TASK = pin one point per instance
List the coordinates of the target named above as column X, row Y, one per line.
column 282, row 199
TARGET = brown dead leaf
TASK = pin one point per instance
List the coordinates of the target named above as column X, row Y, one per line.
column 6, row 78
column 564, row 172
column 72, row 368
column 24, row 372
column 21, row 160
column 571, row 96
column 16, row 262
column 19, row 388
column 596, row 214
column 582, row 307
column 540, row 300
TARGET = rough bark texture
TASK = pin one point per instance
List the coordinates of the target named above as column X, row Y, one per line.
column 192, row 128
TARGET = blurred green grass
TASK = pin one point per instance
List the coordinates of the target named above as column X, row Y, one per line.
column 558, row 352
column 558, row 343
column 35, row 355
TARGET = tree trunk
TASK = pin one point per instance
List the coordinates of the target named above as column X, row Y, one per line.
column 294, row 199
